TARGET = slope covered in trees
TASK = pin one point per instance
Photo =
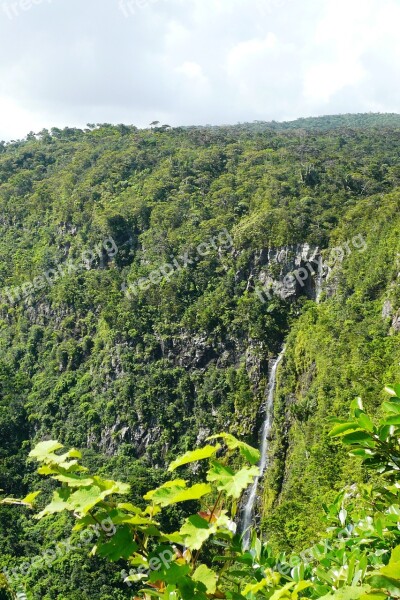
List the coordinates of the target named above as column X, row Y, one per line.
column 136, row 318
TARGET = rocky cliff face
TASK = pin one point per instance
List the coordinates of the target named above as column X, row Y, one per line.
column 288, row 272
column 117, row 369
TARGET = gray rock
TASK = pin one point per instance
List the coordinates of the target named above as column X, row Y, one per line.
column 387, row 310
column 396, row 322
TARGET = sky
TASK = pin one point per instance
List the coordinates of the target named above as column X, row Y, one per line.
column 193, row 62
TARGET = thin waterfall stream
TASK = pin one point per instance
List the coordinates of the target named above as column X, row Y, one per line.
column 248, row 510
column 319, row 280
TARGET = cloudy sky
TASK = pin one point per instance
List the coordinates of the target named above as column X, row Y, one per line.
column 72, row 62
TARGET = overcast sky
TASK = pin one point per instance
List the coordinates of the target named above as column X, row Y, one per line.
column 73, row 62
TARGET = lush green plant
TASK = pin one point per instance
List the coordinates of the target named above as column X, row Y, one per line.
column 359, row 557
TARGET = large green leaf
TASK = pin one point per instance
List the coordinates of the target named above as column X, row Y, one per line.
column 250, row 454
column 84, row 499
column 195, row 531
column 27, row 501
column 291, row 590
column 253, row 588
column 136, row 520
column 381, row 582
column 395, row 420
column 392, row 570
column 348, row 593
column 65, row 461
column 60, row 502
column 395, row 556
column 357, row 437
column 366, row 422
column 121, row 545
column 45, row 450
column 175, row 483
column 193, row 493
column 172, row 494
column 230, row 482
column 30, row 498
column 393, row 390
column 206, row 576
column 391, row 407
column 74, row 480
column 174, row 538
column 109, row 486
column 195, row 455
column 136, row 577
column 283, row 591
column 151, row 593
column 342, row 428
column 170, row 573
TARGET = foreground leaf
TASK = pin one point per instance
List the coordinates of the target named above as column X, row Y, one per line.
column 45, row 450
column 348, row 593
column 381, row 582
column 194, row 456
column 195, row 531
column 251, row 454
column 121, row 545
column 230, row 482
column 172, row 494
column 59, row 503
column 206, row 576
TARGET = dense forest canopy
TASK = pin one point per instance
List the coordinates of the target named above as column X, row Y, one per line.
column 131, row 323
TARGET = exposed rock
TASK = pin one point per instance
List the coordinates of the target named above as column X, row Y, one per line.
column 256, row 365
column 193, row 351
column 202, row 435
column 396, row 322
column 387, row 310
column 290, row 271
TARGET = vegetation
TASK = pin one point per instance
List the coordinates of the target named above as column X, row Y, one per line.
column 359, row 557
column 137, row 379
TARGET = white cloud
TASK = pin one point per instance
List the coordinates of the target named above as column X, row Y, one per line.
column 324, row 80
column 196, row 61
column 339, row 57
column 192, row 71
column 245, row 53
column 192, row 80
column 15, row 121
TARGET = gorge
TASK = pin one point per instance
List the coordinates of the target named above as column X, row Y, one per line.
column 133, row 382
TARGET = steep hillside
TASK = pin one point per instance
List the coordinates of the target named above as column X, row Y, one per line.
column 147, row 277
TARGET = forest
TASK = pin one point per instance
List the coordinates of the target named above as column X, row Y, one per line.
column 149, row 279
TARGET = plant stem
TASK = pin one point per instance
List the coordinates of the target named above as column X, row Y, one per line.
column 209, row 521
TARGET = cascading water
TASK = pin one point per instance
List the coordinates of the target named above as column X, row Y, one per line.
column 319, row 280
column 265, row 433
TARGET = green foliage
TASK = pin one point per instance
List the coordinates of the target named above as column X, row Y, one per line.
column 92, row 500
column 358, row 558
column 194, row 456
column 133, row 382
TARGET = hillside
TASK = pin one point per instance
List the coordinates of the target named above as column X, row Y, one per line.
column 145, row 289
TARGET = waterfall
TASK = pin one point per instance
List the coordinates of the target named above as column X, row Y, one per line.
column 264, row 446
column 319, row 280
